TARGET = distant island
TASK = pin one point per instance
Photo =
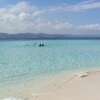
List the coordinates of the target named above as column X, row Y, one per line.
column 30, row 36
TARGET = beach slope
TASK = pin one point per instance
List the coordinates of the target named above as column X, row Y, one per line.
column 81, row 87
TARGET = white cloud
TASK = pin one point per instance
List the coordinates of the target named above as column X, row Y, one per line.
column 61, row 26
column 23, row 17
column 81, row 6
column 90, row 27
column 52, row 26
column 87, row 5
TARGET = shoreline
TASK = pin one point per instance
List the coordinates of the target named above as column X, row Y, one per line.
column 84, row 86
column 59, row 86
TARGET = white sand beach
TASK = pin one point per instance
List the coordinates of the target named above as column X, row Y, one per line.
column 85, row 86
column 79, row 86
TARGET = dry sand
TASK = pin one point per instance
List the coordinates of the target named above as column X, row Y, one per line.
column 85, row 86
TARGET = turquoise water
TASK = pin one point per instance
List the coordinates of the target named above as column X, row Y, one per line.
column 22, row 60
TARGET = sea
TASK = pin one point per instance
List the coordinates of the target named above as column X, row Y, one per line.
column 23, row 60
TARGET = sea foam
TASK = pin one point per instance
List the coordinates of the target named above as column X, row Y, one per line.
column 11, row 98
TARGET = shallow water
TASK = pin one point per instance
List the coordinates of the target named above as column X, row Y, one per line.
column 23, row 60
column 25, row 67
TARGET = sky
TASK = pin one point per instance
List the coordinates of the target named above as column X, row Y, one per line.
column 50, row 16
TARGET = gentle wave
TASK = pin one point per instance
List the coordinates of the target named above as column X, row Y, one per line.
column 11, row 98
